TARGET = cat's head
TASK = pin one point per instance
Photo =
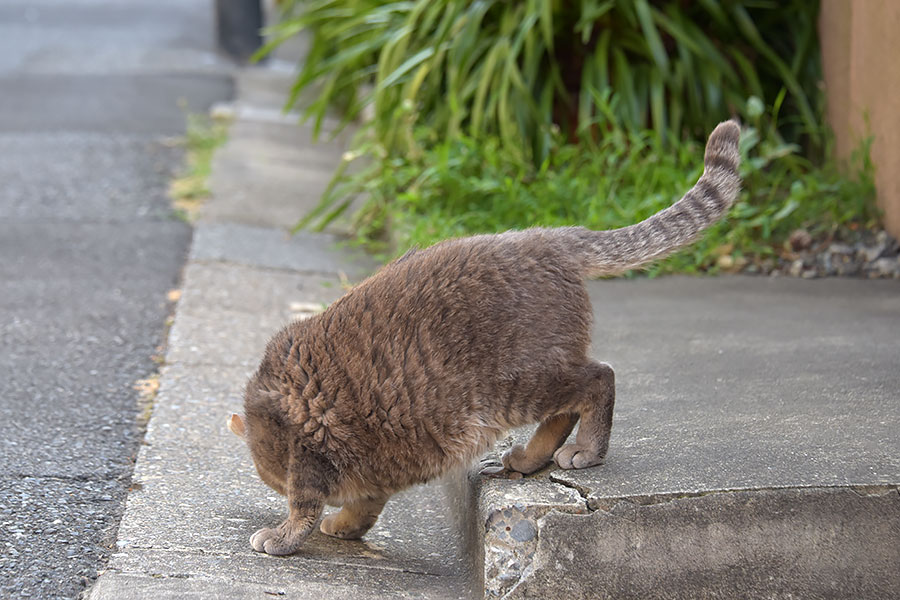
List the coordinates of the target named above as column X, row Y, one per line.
column 261, row 429
column 264, row 425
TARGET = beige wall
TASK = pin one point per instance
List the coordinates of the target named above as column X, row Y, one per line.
column 861, row 59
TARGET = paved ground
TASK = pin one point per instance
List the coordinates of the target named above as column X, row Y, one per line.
column 89, row 94
column 740, row 400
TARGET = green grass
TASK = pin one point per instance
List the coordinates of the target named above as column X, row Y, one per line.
column 464, row 186
column 188, row 191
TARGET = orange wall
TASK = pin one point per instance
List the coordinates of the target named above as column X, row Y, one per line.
column 861, row 59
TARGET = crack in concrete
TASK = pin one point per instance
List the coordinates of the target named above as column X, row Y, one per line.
column 582, row 491
column 202, row 552
column 607, row 503
column 211, row 262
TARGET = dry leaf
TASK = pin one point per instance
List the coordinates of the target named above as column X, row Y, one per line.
column 306, row 307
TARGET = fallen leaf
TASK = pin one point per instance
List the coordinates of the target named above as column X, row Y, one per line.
column 306, row 307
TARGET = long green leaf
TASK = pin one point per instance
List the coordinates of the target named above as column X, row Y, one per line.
column 654, row 42
column 408, row 65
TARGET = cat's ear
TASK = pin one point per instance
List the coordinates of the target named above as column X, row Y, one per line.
column 236, row 425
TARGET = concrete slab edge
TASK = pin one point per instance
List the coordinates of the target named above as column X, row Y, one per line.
column 533, row 545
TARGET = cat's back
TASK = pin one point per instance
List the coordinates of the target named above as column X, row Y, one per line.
column 513, row 264
column 472, row 301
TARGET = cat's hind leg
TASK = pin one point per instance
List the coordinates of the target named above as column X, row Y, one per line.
column 595, row 406
column 355, row 518
column 549, row 436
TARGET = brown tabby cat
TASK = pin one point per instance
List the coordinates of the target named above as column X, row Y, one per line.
column 422, row 367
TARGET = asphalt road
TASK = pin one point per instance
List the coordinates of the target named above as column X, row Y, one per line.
column 91, row 94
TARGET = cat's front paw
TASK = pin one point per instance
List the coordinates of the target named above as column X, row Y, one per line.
column 576, row 456
column 277, row 541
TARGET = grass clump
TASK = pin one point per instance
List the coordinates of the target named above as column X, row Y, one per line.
column 190, row 189
column 513, row 70
column 465, row 186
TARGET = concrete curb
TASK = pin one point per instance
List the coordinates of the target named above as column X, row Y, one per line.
column 753, row 455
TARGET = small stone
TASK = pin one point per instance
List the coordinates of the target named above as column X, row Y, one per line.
column 825, row 264
column 306, row 307
column 885, row 267
column 847, row 268
column 838, row 248
column 523, row 531
column 796, row 269
column 223, row 111
column 809, row 274
column 726, row 261
column 800, row 239
column 870, row 253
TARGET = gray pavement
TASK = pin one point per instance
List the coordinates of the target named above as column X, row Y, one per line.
column 91, row 93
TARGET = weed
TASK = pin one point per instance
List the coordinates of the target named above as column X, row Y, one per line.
column 189, row 190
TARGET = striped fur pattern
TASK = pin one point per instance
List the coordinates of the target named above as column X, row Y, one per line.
column 613, row 252
column 422, row 367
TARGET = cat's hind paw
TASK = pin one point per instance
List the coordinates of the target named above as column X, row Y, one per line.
column 496, row 471
column 576, row 456
column 334, row 526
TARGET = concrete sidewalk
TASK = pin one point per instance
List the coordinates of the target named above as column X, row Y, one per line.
column 754, row 449
column 196, row 497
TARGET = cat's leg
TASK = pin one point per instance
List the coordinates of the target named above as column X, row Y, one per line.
column 355, row 518
column 595, row 406
column 309, row 481
column 549, row 436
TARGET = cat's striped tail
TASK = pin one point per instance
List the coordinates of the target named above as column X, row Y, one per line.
column 616, row 250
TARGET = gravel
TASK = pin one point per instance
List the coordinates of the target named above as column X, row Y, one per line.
column 868, row 254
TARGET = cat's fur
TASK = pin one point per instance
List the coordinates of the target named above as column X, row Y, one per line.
column 422, row 367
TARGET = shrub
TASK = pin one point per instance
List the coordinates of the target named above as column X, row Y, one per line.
column 489, row 115
column 516, row 70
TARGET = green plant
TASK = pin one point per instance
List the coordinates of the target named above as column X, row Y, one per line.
column 189, row 189
column 519, row 70
column 465, row 186
column 490, row 115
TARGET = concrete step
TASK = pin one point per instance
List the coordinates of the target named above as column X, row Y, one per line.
column 754, row 452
